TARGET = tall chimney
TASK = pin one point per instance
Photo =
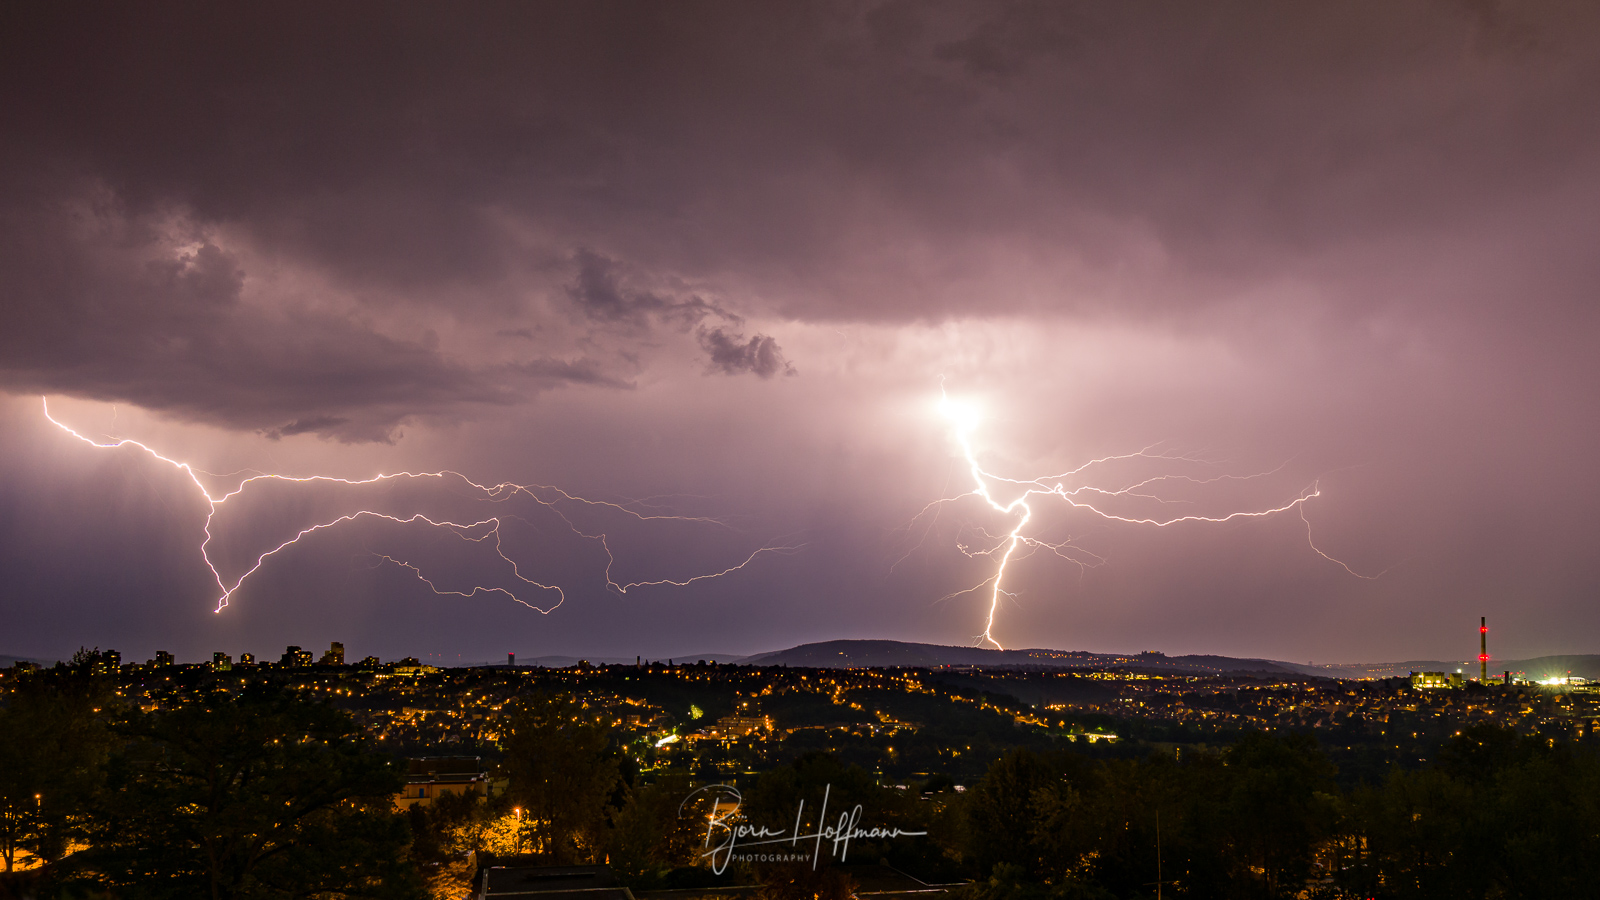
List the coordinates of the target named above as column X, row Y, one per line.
column 1483, row 650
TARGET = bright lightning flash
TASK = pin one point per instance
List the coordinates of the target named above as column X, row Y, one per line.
column 966, row 416
column 475, row 532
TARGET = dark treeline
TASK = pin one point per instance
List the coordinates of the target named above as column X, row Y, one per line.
column 1499, row 815
column 260, row 793
column 253, row 794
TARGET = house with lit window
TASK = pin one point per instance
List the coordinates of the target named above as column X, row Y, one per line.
column 429, row 779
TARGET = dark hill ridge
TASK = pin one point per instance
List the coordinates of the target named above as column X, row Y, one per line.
column 868, row 654
column 8, row 661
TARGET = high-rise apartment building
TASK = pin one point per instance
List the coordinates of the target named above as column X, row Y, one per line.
column 105, row 663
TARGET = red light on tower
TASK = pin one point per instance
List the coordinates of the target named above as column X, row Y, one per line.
column 1483, row 650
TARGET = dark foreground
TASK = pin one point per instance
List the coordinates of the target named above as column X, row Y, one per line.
column 268, row 782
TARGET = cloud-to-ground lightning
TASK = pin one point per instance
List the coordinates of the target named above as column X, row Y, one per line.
column 475, row 532
column 965, row 419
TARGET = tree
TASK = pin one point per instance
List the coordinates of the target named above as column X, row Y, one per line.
column 1278, row 805
column 259, row 797
column 563, row 776
column 51, row 746
column 652, row 833
column 1502, row 815
column 1010, row 882
column 447, row 834
column 1003, row 817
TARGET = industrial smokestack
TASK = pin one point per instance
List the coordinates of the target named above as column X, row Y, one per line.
column 1483, row 650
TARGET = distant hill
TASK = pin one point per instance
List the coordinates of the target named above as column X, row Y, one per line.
column 883, row 654
column 869, row 654
column 7, row 662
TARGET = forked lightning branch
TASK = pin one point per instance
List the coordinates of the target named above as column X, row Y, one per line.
column 485, row 531
column 1072, row 489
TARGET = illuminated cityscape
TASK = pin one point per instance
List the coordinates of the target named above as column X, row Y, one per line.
column 933, row 734
column 747, row 718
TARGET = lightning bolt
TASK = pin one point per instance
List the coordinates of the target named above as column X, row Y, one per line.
column 480, row 531
column 965, row 419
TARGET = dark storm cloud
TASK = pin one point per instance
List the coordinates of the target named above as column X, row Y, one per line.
column 100, row 305
column 731, row 354
column 309, row 425
column 601, row 296
column 599, row 293
column 555, row 371
column 846, row 161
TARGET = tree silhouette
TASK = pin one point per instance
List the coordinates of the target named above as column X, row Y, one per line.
column 51, row 745
column 562, row 774
column 256, row 797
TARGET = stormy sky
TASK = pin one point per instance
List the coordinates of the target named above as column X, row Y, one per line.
column 713, row 262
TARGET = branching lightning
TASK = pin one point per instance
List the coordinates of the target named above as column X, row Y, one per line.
column 474, row 532
column 1016, row 544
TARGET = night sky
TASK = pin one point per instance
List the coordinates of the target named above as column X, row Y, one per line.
column 715, row 262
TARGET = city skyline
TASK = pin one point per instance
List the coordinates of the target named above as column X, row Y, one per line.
column 731, row 331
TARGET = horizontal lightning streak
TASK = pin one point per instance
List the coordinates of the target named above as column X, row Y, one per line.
column 624, row 588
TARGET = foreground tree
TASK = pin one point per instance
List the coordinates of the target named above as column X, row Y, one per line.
column 1246, row 823
column 654, row 832
column 448, row 834
column 563, row 777
column 1008, row 810
column 1501, row 815
column 51, row 746
column 1277, row 808
column 256, row 797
